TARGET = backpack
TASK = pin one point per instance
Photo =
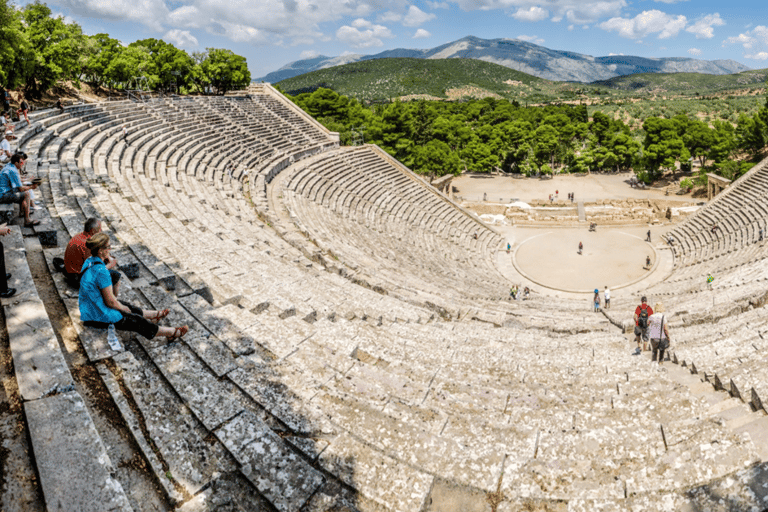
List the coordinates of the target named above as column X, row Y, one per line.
column 642, row 320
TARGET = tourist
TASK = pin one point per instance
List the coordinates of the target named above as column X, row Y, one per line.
column 647, row 262
column 508, row 247
column 13, row 191
column 23, row 109
column 513, row 292
column 760, row 235
column 648, row 236
column 658, row 333
column 99, row 308
column 59, row 106
column 526, row 293
column 5, row 147
column 607, row 294
column 5, row 121
column 596, row 300
column 581, row 247
column 5, row 292
column 709, row 280
column 642, row 312
column 76, row 253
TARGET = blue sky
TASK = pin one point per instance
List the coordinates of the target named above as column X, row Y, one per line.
column 272, row 33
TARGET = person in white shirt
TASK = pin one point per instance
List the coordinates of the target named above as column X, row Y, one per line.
column 607, row 294
column 5, row 147
column 658, row 332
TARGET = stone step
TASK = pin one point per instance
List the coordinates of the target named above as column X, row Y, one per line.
column 75, row 470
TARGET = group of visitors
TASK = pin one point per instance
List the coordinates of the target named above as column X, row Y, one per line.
column 88, row 266
column 596, row 299
column 515, row 293
column 651, row 325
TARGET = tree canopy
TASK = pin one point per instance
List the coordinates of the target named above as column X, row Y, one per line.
column 37, row 50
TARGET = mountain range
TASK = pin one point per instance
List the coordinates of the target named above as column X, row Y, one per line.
column 556, row 65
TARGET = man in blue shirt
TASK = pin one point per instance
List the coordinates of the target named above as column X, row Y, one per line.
column 12, row 191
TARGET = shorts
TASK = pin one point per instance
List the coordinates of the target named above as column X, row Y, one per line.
column 657, row 344
column 640, row 332
column 13, row 197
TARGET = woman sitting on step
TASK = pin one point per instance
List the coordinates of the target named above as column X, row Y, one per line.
column 99, row 307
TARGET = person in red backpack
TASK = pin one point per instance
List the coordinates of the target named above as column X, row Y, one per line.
column 642, row 312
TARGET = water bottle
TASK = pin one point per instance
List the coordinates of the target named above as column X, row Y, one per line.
column 112, row 340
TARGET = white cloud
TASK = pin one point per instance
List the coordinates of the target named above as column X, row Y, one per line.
column 615, row 54
column 646, row 23
column 755, row 40
column 150, row 13
column 534, row 13
column 308, row 54
column 363, row 34
column 576, row 11
column 180, row 38
column 438, row 5
column 758, row 56
column 421, row 34
column 390, row 17
column 694, row 51
column 531, row 39
column 416, row 17
column 704, row 27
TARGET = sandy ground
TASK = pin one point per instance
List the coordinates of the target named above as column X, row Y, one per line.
column 589, row 188
column 613, row 256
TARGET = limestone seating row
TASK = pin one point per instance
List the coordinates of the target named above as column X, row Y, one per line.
column 389, row 225
column 460, row 224
column 60, row 427
column 739, row 206
column 331, row 457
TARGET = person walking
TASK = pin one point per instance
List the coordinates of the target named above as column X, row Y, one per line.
column 648, row 236
column 607, row 294
column 596, row 300
column 642, row 312
column 658, row 333
column 581, row 247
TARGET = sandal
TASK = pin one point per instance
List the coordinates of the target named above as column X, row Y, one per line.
column 159, row 316
column 178, row 332
column 31, row 223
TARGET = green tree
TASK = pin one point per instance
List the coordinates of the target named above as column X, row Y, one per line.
column 699, row 139
column 102, row 51
column 16, row 55
column 436, row 159
column 167, row 64
column 224, row 69
column 750, row 134
column 57, row 48
column 130, row 62
column 663, row 146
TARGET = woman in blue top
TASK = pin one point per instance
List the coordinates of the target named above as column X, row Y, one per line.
column 99, row 307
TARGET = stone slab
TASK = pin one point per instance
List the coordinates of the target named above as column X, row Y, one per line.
column 213, row 401
column 282, row 476
column 93, row 340
column 39, row 364
column 178, row 436
column 75, row 470
column 208, row 347
column 379, row 478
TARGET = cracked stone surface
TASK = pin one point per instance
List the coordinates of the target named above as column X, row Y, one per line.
column 281, row 475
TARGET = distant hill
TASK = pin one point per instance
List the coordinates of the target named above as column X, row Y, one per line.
column 385, row 79
column 555, row 65
column 684, row 82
